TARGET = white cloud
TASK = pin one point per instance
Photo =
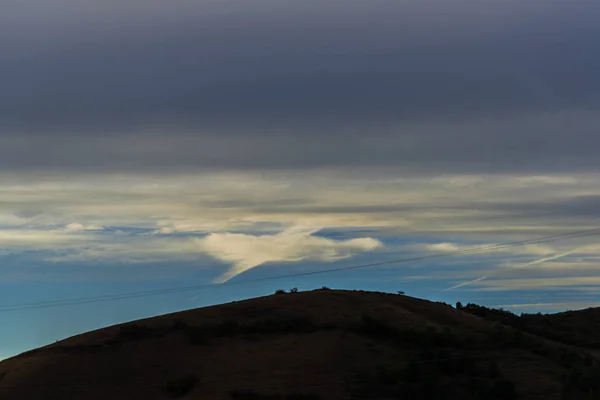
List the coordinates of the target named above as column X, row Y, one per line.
column 447, row 247
column 577, row 265
column 443, row 247
column 60, row 245
column 296, row 244
column 76, row 227
column 38, row 239
column 129, row 249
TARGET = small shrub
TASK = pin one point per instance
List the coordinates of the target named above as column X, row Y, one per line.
column 324, row 288
column 181, row 386
column 582, row 383
column 492, row 370
column 196, row 335
column 179, row 325
column 422, row 377
column 280, row 291
column 243, row 395
column 248, row 395
column 570, row 359
column 503, row 389
column 478, row 385
column 294, row 290
column 373, row 326
column 390, row 375
column 588, row 360
column 401, row 292
column 227, row 328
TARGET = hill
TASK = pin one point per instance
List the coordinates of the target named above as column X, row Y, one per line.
column 324, row 344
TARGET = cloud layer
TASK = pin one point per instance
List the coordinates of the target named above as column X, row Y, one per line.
column 492, row 86
column 249, row 219
column 135, row 131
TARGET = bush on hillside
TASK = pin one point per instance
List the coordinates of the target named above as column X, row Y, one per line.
column 569, row 327
column 423, row 378
column 181, row 386
column 196, row 336
column 227, row 328
column 373, row 326
column 428, row 338
column 583, row 383
column 178, row 324
column 503, row 389
column 249, row 395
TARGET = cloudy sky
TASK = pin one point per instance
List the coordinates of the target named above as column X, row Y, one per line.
column 149, row 144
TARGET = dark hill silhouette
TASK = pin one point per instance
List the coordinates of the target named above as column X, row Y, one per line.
column 324, row 344
column 581, row 327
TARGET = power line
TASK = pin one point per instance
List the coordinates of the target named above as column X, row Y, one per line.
column 473, row 250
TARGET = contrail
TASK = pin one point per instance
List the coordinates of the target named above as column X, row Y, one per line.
column 465, row 283
column 540, row 261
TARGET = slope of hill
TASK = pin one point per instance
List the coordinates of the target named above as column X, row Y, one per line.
column 581, row 327
column 322, row 344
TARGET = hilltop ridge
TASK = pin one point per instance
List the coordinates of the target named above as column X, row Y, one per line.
column 323, row 344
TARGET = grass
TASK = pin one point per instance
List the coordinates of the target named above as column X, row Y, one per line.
column 429, row 337
column 199, row 335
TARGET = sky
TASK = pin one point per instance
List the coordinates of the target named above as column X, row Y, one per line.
column 147, row 145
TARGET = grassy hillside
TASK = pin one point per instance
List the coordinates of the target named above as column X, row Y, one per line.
column 315, row 345
column 581, row 328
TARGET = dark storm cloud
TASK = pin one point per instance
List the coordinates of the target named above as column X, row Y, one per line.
column 438, row 85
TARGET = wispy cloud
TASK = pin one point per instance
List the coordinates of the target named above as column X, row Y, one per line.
column 160, row 217
column 536, row 262
column 446, row 247
column 245, row 251
column 76, row 227
column 576, row 283
column 467, row 283
column 567, row 305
